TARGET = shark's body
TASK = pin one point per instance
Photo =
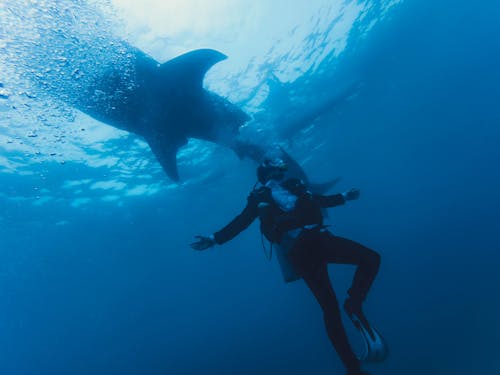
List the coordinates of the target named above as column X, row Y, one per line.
column 166, row 104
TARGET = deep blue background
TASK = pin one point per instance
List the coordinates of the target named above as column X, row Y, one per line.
column 118, row 291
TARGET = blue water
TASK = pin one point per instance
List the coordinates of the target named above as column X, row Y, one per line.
column 96, row 275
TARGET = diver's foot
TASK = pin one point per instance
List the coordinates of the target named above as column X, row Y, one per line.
column 353, row 308
column 376, row 349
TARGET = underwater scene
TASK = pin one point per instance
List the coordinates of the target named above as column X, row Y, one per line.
column 132, row 132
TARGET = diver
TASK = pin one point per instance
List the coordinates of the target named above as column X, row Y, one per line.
column 291, row 219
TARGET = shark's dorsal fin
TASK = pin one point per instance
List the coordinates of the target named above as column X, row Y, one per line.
column 191, row 67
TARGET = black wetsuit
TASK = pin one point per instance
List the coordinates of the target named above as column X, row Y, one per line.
column 313, row 250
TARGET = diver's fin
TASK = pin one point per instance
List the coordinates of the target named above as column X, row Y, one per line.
column 191, row 67
column 378, row 350
column 375, row 346
column 166, row 154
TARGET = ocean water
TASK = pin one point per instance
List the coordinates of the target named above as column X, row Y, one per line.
column 96, row 275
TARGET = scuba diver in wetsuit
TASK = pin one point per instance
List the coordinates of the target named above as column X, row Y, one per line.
column 291, row 218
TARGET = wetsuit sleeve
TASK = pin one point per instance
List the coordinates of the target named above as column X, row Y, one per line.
column 239, row 223
column 329, row 200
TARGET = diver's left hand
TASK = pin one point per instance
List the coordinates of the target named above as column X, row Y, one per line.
column 351, row 194
column 202, row 243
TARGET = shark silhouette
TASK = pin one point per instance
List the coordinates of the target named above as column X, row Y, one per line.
column 166, row 104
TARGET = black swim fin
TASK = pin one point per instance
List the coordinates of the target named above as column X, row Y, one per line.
column 375, row 347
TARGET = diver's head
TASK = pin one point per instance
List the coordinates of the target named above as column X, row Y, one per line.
column 271, row 169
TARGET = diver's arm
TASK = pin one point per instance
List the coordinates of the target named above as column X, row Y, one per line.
column 238, row 224
column 329, row 200
column 337, row 199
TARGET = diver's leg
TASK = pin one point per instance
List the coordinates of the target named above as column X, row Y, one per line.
column 318, row 282
column 341, row 250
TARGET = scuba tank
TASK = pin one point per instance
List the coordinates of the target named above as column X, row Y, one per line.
column 278, row 201
column 287, row 243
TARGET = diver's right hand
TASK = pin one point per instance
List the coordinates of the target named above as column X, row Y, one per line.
column 202, row 243
column 351, row 194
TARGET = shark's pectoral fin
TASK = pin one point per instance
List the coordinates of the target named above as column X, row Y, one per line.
column 166, row 154
column 190, row 68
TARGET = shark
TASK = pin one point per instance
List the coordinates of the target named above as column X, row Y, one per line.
column 166, row 104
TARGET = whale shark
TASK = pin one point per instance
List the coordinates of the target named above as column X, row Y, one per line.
column 166, row 104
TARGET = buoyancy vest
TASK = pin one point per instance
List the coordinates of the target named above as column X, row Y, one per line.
column 282, row 197
column 285, row 206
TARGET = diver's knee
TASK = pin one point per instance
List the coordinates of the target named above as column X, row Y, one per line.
column 373, row 258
